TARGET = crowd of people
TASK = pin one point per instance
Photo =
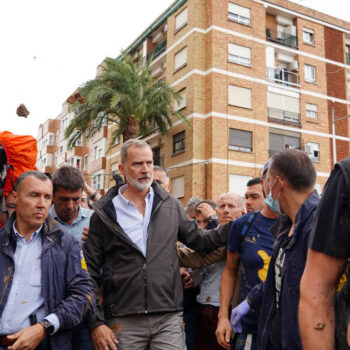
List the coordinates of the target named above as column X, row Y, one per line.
column 134, row 270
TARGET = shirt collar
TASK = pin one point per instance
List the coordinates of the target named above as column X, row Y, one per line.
column 81, row 214
column 19, row 236
column 125, row 202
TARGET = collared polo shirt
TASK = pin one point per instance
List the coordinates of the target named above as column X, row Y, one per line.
column 133, row 223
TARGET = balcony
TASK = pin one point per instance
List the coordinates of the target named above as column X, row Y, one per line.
column 282, row 76
column 158, row 50
column 347, row 55
column 285, row 117
column 281, row 38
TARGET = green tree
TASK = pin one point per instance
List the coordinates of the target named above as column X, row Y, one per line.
column 124, row 94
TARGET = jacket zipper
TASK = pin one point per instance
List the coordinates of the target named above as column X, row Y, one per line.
column 145, row 285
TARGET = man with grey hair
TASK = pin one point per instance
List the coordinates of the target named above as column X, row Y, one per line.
column 132, row 259
column 161, row 177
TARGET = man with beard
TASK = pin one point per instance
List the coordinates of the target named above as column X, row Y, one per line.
column 72, row 218
column 131, row 253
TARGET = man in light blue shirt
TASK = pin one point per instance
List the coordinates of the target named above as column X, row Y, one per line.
column 72, row 218
column 44, row 287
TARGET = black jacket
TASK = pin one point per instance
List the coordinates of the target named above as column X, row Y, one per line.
column 131, row 283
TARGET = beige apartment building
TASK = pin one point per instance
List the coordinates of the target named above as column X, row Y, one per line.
column 255, row 77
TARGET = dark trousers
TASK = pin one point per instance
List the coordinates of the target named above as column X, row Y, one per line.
column 207, row 322
column 81, row 339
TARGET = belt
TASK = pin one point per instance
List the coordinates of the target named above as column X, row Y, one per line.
column 4, row 341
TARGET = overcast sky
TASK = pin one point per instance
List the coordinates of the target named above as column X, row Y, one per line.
column 50, row 47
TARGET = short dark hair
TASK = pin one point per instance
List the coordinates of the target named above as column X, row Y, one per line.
column 255, row 181
column 37, row 174
column 296, row 167
column 69, row 178
column 208, row 201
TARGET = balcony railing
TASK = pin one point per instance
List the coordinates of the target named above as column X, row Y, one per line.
column 158, row 50
column 282, row 76
column 347, row 54
column 282, row 116
column 281, row 38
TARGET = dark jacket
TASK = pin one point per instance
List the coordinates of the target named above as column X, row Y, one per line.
column 66, row 286
column 262, row 297
column 131, row 283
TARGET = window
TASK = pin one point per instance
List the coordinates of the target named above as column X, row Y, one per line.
column 156, row 156
column 239, row 54
column 85, row 161
column 311, row 111
column 100, row 153
column 238, row 183
column 240, row 140
column 308, row 36
column 95, row 152
column 238, row 14
column 182, row 103
column 51, row 139
column 286, row 108
column 61, row 149
column 181, row 20
column 239, row 96
column 97, row 182
column 180, row 59
column 178, row 186
column 310, row 73
column 313, row 150
column 279, row 142
column 179, row 142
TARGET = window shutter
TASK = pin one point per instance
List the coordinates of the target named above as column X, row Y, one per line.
column 181, row 19
column 180, row 58
column 239, row 10
column 240, row 97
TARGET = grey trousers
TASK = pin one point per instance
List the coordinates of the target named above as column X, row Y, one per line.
column 160, row 331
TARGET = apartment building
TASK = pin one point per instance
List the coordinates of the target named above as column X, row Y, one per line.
column 87, row 155
column 255, row 77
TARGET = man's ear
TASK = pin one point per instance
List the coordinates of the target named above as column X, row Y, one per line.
column 14, row 197
column 121, row 168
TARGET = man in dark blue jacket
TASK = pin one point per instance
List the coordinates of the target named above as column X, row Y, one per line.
column 290, row 184
column 45, row 288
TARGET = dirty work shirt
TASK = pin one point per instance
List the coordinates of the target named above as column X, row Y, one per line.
column 255, row 250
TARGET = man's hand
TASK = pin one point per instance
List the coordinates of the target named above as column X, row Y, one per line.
column 85, row 235
column 224, row 332
column 187, row 280
column 103, row 338
column 206, row 210
column 27, row 338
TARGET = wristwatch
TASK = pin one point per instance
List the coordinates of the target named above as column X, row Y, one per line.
column 49, row 328
column 211, row 217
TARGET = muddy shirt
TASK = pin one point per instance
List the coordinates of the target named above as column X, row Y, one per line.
column 255, row 249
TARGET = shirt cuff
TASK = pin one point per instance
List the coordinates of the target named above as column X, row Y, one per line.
column 53, row 319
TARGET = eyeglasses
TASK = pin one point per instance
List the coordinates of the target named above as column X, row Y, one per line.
column 83, row 200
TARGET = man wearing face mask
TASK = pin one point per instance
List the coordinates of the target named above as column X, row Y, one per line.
column 248, row 252
column 290, row 183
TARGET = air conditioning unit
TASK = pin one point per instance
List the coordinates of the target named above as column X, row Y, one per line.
column 294, row 65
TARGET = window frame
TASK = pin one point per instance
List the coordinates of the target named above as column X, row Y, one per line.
column 237, row 147
column 239, row 59
column 177, row 29
column 308, row 68
column 176, row 69
column 309, row 111
column 235, row 17
column 237, row 105
column 179, row 107
column 311, row 33
column 179, row 138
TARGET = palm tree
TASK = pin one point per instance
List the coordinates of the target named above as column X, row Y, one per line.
column 125, row 95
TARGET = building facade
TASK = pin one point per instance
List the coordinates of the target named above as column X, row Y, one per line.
column 255, row 77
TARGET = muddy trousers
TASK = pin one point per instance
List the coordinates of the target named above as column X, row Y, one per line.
column 158, row 331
